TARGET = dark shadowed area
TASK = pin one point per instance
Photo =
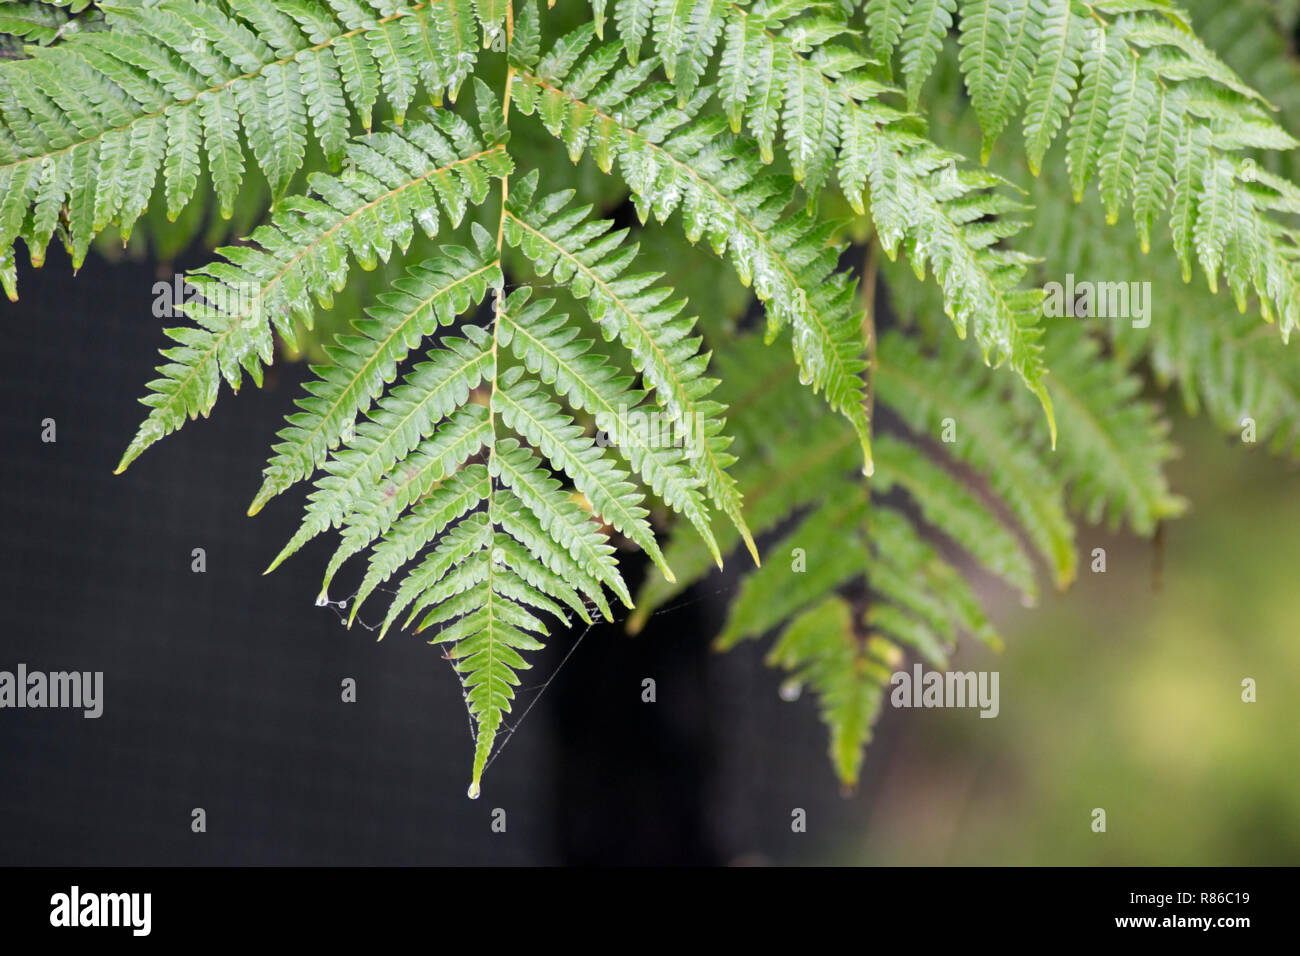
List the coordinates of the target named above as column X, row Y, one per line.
column 223, row 688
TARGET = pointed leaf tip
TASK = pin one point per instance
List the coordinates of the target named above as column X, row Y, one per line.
column 1046, row 400
column 259, row 501
column 128, row 456
column 279, row 559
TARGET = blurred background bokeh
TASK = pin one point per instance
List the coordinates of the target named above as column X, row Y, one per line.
column 1126, row 693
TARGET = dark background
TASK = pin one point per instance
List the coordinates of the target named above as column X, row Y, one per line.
column 222, row 689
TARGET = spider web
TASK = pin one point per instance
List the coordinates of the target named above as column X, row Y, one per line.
column 340, row 606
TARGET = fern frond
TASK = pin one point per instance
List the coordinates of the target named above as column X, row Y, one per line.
column 946, row 504
column 1155, row 118
column 36, row 22
column 593, row 261
column 362, row 365
column 551, row 349
column 502, row 541
column 410, row 466
column 429, row 393
column 686, row 33
column 1229, row 368
column 447, row 501
column 777, row 67
column 999, row 43
column 922, row 201
column 910, row 575
column 791, row 455
column 799, row 483
column 672, row 160
column 1124, row 140
column 926, row 389
column 847, row 658
column 485, row 473
column 1155, row 175
column 1055, row 76
column 885, row 22
column 1113, row 460
column 1101, row 67
column 821, row 648
column 774, row 592
column 832, row 119
column 202, row 71
column 304, row 254
column 928, row 22
column 599, row 479
column 633, row 18
column 371, row 510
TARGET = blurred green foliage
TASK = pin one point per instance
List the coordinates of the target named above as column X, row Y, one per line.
column 1125, row 694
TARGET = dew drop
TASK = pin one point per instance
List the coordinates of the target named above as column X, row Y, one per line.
column 790, row 690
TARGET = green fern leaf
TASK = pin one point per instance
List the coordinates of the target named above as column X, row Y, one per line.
column 304, row 253
column 1155, row 175
column 947, row 505
column 205, row 71
column 912, row 189
column 1191, row 157
column 928, row 22
column 1055, row 77
column 885, row 20
column 820, row 648
column 593, row 262
column 1123, row 142
column 1100, row 67
column 373, row 484
column 726, row 198
column 596, row 477
column 363, row 364
column 551, row 349
column 773, row 592
column 686, row 33
column 633, row 19
column 999, row 40
column 36, row 22
column 987, row 437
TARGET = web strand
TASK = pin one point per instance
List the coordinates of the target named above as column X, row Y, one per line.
column 340, row 606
